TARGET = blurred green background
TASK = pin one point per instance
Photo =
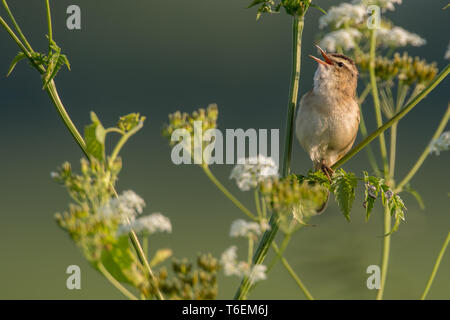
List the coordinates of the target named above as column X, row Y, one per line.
column 156, row 57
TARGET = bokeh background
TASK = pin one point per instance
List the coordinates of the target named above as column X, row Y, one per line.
column 156, row 57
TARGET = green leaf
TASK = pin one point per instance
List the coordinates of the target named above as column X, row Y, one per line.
column 397, row 208
column 318, row 8
column 94, row 135
column 118, row 260
column 416, row 195
column 343, row 186
column 20, row 56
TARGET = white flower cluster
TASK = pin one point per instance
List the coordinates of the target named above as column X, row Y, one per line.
column 128, row 205
column 155, row 222
column 343, row 38
column 253, row 170
column 231, row 266
column 441, row 144
column 343, row 14
column 383, row 4
column 242, row 228
column 399, row 37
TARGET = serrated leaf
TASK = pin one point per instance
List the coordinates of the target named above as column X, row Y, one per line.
column 94, row 136
column 20, row 56
column 343, row 186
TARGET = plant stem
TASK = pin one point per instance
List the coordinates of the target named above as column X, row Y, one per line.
column 227, row 193
column 116, row 283
column 363, row 128
column 376, row 100
column 49, row 23
column 385, row 252
column 297, row 31
column 425, row 152
column 409, row 106
column 392, row 153
column 292, row 273
column 258, row 205
column 436, row 267
column 21, row 35
column 54, row 97
column 283, row 247
column 269, row 235
column 250, row 250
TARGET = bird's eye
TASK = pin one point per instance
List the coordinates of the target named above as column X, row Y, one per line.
column 340, row 64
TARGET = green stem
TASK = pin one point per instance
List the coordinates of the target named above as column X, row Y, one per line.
column 19, row 31
column 49, row 22
column 122, row 142
column 54, row 97
column 258, row 205
column 409, row 106
column 363, row 128
column 385, row 252
column 425, row 152
column 250, row 250
column 292, row 273
column 297, row 31
column 392, row 153
column 116, row 283
column 227, row 193
column 376, row 100
column 269, row 235
column 283, row 247
column 436, row 267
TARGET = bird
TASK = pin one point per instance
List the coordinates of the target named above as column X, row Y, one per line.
column 328, row 116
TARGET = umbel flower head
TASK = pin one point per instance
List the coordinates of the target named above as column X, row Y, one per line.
column 233, row 267
column 249, row 172
column 441, row 144
column 186, row 121
column 345, row 39
column 405, row 67
column 155, row 222
column 242, row 228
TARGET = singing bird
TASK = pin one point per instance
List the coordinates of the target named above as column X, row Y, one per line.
column 328, row 116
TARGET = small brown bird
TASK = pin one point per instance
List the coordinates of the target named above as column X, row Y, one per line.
column 328, row 116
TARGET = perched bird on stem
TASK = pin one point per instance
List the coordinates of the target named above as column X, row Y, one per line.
column 328, row 116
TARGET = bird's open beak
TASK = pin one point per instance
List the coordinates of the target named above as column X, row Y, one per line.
column 327, row 61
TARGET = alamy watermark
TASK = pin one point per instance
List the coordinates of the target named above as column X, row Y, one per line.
column 211, row 145
column 74, row 280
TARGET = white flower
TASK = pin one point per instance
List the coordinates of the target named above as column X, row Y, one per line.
column 383, row 4
column 343, row 14
column 156, row 222
column 344, row 38
column 242, row 228
column 399, row 37
column 228, row 260
column 441, row 144
column 231, row 266
column 258, row 273
column 447, row 53
column 128, row 205
column 253, row 171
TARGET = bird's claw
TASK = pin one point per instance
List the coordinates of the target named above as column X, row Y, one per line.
column 327, row 171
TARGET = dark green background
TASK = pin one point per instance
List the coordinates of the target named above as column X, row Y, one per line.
column 156, row 57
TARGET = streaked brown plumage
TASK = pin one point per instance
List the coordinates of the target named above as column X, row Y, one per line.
column 328, row 116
